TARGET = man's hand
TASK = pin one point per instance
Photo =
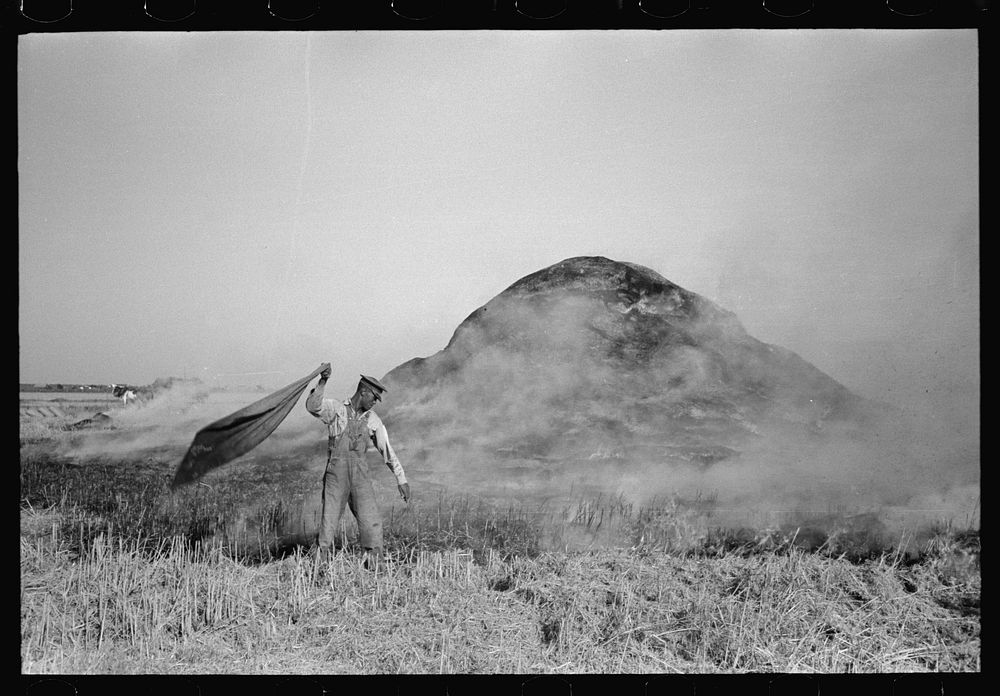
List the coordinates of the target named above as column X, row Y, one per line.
column 325, row 373
column 404, row 492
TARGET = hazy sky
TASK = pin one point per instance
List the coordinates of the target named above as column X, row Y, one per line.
column 216, row 204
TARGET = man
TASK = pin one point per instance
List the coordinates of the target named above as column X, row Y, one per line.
column 352, row 424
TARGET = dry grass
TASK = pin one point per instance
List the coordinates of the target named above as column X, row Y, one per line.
column 138, row 606
column 40, row 429
column 119, row 576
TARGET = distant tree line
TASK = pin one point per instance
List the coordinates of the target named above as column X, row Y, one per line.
column 160, row 383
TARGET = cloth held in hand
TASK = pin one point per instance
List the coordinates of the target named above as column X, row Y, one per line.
column 238, row 433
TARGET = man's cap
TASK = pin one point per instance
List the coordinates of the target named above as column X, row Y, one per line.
column 377, row 387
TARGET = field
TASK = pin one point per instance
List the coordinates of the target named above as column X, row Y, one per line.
column 121, row 576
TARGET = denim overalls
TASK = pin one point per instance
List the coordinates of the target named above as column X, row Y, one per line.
column 347, row 481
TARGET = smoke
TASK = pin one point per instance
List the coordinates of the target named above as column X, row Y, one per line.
column 163, row 423
column 556, row 395
column 559, row 396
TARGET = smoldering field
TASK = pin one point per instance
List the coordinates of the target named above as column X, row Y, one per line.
column 547, row 391
column 901, row 477
column 594, row 378
column 609, row 561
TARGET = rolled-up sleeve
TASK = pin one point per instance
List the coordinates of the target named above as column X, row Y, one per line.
column 326, row 410
column 380, row 437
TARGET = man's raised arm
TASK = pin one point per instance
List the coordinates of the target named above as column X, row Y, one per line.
column 314, row 402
